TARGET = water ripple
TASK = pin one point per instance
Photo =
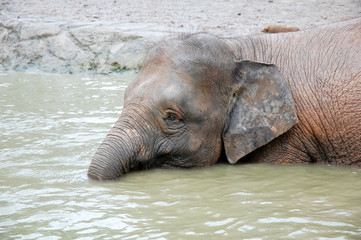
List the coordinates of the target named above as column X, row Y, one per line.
column 50, row 128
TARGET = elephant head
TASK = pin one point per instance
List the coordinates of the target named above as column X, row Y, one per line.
column 191, row 101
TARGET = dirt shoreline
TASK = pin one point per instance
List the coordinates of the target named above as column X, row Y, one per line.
column 112, row 35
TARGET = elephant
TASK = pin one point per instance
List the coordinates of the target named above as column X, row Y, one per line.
column 199, row 99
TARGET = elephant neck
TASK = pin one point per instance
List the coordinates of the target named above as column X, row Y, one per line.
column 269, row 48
column 262, row 48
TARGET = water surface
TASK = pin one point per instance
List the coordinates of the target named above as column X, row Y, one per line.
column 50, row 127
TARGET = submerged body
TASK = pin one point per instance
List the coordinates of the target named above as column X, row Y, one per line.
column 288, row 99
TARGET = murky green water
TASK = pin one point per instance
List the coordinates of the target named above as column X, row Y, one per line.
column 50, row 127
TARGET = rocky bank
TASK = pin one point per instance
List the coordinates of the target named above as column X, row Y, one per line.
column 112, row 36
column 34, row 43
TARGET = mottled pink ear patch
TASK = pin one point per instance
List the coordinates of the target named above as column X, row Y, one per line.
column 262, row 109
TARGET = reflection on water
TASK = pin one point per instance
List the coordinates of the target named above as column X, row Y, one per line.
column 51, row 125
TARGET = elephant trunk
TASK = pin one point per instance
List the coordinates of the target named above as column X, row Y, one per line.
column 117, row 155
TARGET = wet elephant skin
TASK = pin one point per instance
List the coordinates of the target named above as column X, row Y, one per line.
column 289, row 98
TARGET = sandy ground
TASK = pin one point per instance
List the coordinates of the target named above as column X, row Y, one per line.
column 228, row 17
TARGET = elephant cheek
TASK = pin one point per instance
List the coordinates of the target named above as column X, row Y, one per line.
column 195, row 144
column 216, row 151
column 209, row 152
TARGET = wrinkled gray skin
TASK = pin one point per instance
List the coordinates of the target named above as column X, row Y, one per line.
column 286, row 98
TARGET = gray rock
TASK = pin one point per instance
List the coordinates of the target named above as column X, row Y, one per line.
column 62, row 47
column 37, row 30
column 33, row 43
column 4, row 34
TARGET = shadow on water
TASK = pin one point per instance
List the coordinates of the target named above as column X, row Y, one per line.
column 51, row 126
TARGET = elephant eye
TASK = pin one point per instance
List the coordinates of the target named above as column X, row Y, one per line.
column 172, row 116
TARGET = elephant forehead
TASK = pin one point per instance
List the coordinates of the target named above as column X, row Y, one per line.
column 165, row 87
column 188, row 99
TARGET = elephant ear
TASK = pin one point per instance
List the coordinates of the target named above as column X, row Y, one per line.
column 261, row 108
